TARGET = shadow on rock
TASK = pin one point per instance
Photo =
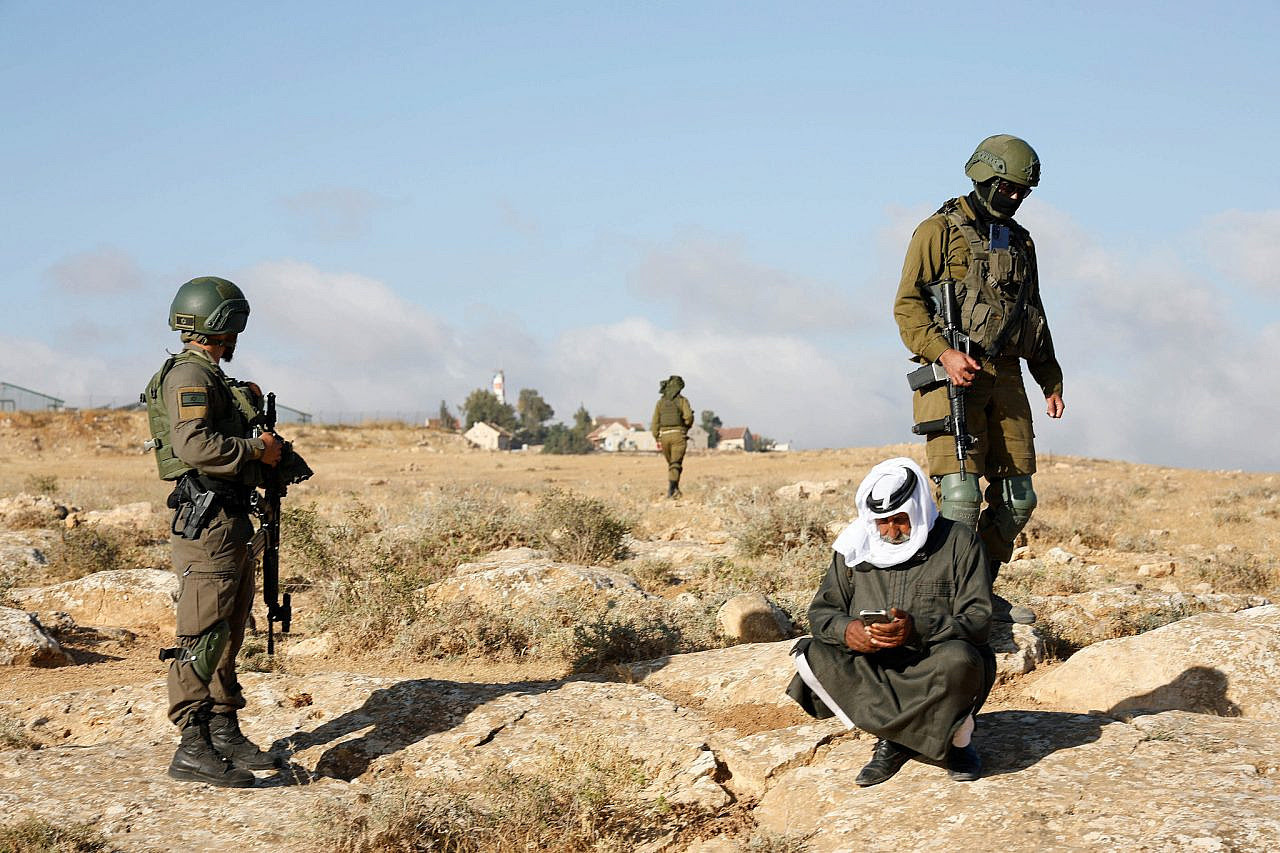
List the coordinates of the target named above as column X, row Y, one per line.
column 1198, row 689
column 395, row 718
column 1010, row 741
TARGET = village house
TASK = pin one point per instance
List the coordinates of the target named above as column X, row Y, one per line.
column 486, row 436
column 614, row 435
column 735, row 438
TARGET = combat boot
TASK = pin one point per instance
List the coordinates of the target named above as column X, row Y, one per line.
column 197, row 761
column 671, row 488
column 230, row 742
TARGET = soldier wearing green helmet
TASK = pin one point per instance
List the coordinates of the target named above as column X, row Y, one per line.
column 975, row 242
column 204, row 443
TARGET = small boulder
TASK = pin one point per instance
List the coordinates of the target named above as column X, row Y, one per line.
column 751, row 618
column 1215, row 663
column 1060, row 556
column 1162, row 569
column 129, row 598
column 806, row 489
column 134, row 516
column 24, row 643
column 317, row 646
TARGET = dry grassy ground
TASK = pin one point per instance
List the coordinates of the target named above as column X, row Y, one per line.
column 393, row 508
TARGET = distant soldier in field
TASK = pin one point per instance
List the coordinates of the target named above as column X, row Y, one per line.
column 974, row 242
column 672, row 418
column 200, row 426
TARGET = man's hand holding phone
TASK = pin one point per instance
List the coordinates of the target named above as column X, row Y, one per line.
column 886, row 630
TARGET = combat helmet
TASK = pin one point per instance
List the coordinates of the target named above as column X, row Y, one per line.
column 209, row 306
column 1006, row 157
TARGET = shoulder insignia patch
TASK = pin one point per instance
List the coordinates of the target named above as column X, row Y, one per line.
column 193, row 402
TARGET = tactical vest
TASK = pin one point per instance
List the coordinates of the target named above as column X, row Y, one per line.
column 234, row 420
column 997, row 297
column 669, row 414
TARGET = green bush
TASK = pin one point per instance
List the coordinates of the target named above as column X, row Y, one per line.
column 578, row 529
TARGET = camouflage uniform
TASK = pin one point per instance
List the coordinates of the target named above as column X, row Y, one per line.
column 211, row 435
column 996, row 405
column 672, row 418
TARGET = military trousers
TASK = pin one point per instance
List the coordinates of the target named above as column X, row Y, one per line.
column 215, row 583
column 999, row 418
column 673, row 447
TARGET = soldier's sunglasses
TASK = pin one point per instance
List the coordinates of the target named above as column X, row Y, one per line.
column 1012, row 190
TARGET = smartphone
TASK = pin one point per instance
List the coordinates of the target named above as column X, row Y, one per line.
column 871, row 617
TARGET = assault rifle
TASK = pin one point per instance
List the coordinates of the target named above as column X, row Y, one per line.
column 943, row 295
column 276, row 481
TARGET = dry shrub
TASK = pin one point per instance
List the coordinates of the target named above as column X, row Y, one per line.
column 578, row 529
column 87, row 549
column 1040, row 579
column 1124, row 623
column 1239, row 572
column 586, row 798
column 14, row 736
column 584, row 633
column 464, row 526
column 40, row 484
column 37, row 835
column 253, row 657
column 775, row 527
column 652, row 575
column 319, row 549
column 31, row 519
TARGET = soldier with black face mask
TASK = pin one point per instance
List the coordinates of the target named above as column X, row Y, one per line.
column 974, row 242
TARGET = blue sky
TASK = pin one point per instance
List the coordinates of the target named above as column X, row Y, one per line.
column 594, row 195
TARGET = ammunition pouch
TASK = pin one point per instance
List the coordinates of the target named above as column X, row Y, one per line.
column 204, row 652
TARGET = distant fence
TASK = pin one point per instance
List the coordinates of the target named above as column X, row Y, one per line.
column 414, row 417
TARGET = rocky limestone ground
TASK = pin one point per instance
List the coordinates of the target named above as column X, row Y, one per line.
column 1138, row 713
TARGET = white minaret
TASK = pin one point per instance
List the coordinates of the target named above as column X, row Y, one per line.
column 498, row 390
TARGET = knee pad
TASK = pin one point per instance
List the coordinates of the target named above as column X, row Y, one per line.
column 961, row 499
column 1020, row 498
column 206, row 651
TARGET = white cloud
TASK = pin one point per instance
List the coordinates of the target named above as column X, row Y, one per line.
column 1245, row 245
column 776, row 384
column 1157, row 367
column 345, row 341
column 713, row 284
column 104, row 271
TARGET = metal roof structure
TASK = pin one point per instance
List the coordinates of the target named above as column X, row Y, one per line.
column 15, row 398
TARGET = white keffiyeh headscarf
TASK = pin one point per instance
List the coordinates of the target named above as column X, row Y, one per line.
column 893, row 486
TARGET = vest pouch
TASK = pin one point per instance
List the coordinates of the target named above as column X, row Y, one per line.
column 1001, row 267
column 1031, row 336
column 980, row 322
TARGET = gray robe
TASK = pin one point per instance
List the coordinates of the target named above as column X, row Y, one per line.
column 919, row 694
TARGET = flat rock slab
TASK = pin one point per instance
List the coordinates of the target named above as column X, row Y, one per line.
column 1220, row 663
column 123, row 791
column 1053, row 781
column 138, row 599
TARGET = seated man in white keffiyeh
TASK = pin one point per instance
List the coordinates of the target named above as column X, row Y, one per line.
column 900, row 623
